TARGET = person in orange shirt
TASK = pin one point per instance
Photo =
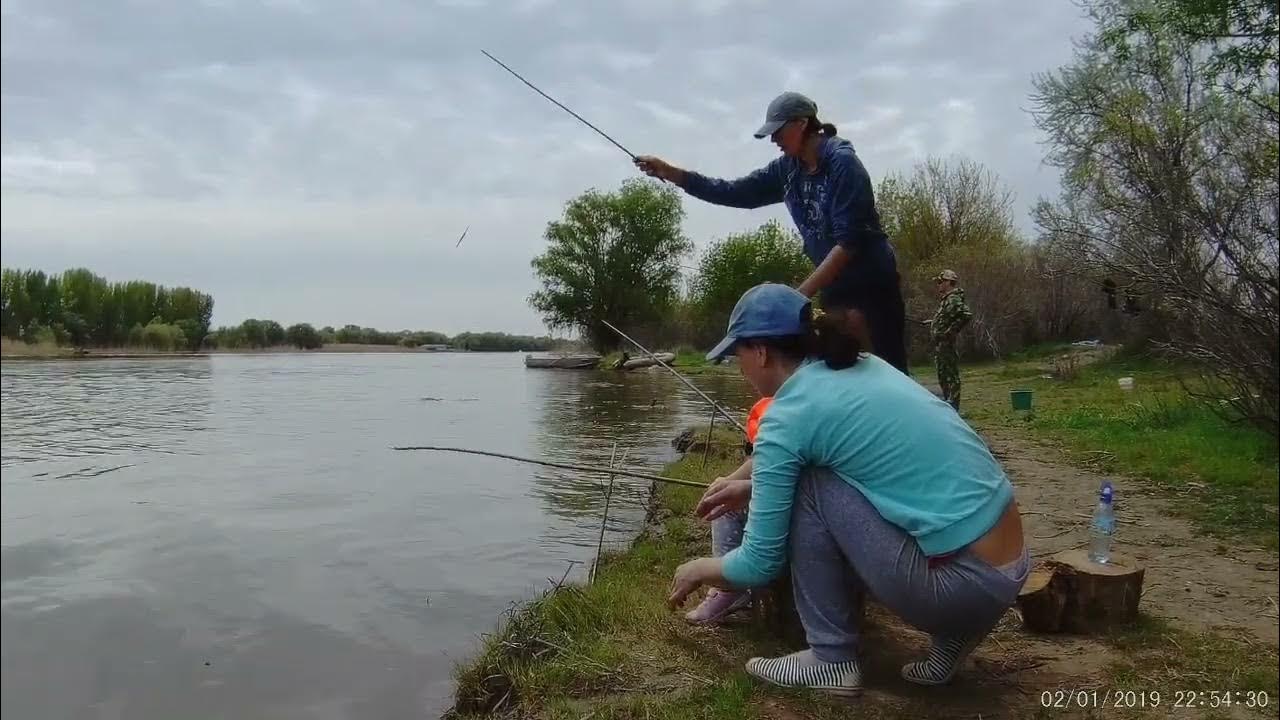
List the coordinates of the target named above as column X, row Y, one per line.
column 726, row 534
column 753, row 419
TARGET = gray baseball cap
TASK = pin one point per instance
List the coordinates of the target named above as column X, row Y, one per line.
column 787, row 106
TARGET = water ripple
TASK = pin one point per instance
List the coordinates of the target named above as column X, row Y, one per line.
column 242, row 518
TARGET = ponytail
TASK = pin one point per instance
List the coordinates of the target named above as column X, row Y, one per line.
column 829, row 340
column 817, row 127
column 826, row 337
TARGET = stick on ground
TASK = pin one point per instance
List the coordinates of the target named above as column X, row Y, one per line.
column 706, row 447
column 608, row 495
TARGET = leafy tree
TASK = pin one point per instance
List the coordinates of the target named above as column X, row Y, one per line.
column 80, row 307
column 1171, row 191
column 138, row 301
column 350, row 334
column 84, row 309
column 735, row 264
column 45, row 296
column 613, row 257
column 192, row 331
column 254, row 332
column 414, row 339
column 226, row 338
column 191, row 310
column 956, row 213
column 1241, row 37
column 303, row 336
column 944, row 205
column 499, row 342
column 75, row 327
column 274, row 333
column 163, row 336
column 15, row 306
column 38, row 334
column 83, row 295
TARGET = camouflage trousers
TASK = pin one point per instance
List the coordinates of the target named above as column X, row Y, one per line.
column 947, row 361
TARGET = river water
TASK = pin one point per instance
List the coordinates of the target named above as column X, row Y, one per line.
column 231, row 536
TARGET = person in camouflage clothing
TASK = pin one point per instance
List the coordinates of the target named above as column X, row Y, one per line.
column 952, row 316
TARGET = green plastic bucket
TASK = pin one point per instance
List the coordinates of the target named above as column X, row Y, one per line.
column 1021, row 399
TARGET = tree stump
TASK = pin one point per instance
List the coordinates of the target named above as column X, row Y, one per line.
column 1071, row 593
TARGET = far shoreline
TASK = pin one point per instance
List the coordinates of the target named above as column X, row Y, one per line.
column 64, row 353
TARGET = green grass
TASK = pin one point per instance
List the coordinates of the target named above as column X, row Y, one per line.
column 603, row 641
column 1156, row 656
column 691, row 357
column 1173, row 671
column 613, row 649
column 693, row 361
column 686, row 358
column 17, row 349
column 1154, row 653
column 1223, row 475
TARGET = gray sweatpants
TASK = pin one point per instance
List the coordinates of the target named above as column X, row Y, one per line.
column 726, row 531
column 842, row 549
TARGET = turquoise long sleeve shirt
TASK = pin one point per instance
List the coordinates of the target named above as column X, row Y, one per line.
column 907, row 451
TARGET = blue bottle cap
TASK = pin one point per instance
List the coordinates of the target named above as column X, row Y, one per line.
column 1106, row 491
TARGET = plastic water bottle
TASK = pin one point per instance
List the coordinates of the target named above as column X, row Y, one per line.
column 1102, row 527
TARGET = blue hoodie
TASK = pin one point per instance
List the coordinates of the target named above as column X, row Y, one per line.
column 834, row 206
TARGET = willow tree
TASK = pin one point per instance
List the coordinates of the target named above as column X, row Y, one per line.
column 612, row 256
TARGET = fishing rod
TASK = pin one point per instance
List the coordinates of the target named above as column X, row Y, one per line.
column 563, row 466
column 632, row 155
column 679, row 377
column 561, row 105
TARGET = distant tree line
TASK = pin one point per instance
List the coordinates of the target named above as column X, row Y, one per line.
column 499, row 342
column 82, row 309
column 254, row 334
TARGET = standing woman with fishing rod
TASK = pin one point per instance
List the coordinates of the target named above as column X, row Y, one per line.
column 829, row 195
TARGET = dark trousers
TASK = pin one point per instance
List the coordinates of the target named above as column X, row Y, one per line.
column 885, row 313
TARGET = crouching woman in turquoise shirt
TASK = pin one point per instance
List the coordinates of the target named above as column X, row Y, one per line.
column 863, row 483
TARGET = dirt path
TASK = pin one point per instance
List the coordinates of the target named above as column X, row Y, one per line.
column 1199, row 582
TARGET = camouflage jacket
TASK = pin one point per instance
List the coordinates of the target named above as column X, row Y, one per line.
column 952, row 316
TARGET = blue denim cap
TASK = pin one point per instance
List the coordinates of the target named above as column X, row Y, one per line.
column 766, row 310
column 785, row 107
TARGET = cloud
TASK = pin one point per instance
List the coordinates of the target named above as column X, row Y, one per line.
column 666, row 115
column 300, row 160
column 45, row 173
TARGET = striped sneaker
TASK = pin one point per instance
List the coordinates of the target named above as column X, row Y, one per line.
column 803, row 670
column 946, row 655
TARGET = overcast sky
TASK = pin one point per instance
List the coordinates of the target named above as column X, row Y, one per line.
column 316, row 162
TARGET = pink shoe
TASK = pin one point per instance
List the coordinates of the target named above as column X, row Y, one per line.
column 716, row 606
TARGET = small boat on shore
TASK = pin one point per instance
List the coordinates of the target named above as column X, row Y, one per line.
column 644, row 362
column 563, row 362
